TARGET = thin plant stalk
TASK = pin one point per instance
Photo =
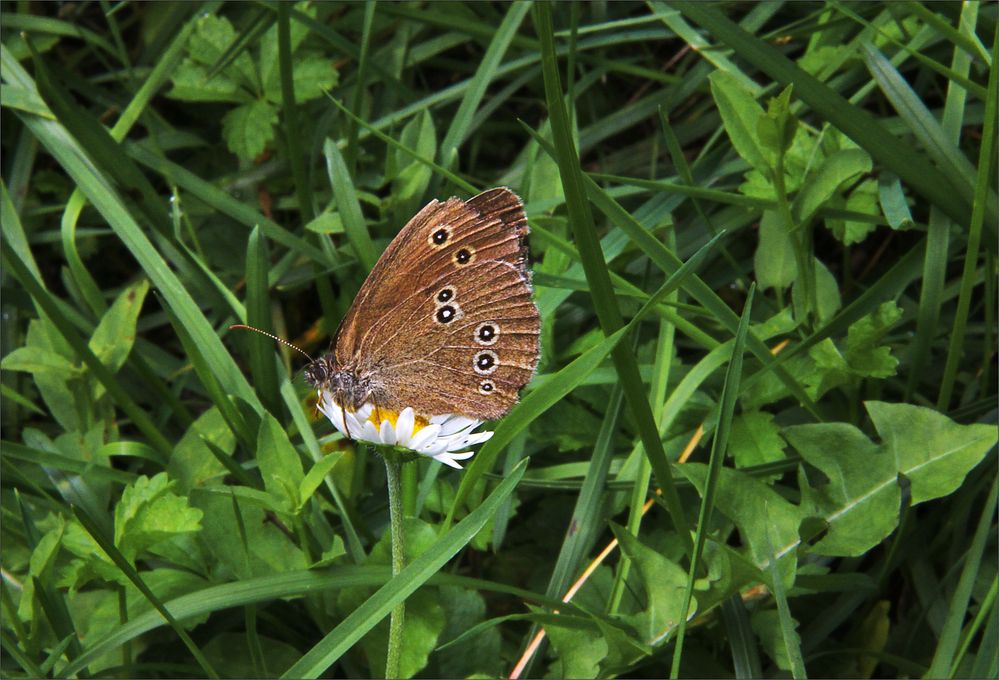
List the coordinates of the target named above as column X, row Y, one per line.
column 397, row 619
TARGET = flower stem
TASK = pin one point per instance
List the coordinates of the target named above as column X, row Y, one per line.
column 398, row 616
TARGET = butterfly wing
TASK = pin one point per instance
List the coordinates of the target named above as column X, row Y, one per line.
column 445, row 322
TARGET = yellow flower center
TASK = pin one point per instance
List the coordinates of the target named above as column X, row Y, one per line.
column 379, row 415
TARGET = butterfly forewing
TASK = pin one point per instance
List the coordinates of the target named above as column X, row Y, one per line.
column 446, row 322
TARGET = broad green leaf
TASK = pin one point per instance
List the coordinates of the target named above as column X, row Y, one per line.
column 40, row 360
column 267, row 550
column 931, row 450
column 40, row 567
column 860, row 501
column 192, row 463
column 478, row 655
column 412, row 177
column 740, row 113
column 766, row 625
column 755, row 508
column 249, row 128
column 579, row 651
column 836, row 170
column 279, row 462
column 115, row 334
column 191, row 83
column 61, row 400
column 864, row 200
column 149, row 512
column 312, row 76
column 826, row 292
column 416, row 573
column 774, row 259
column 230, row 654
column 755, row 439
column 664, row 582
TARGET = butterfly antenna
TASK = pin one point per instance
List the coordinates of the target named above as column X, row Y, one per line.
column 272, row 337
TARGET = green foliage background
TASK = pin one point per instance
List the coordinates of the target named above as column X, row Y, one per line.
column 764, row 235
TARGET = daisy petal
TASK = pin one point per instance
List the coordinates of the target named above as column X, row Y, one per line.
column 451, row 459
column 404, row 427
column 386, row 433
column 423, row 436
column 369, row 433
column 458, row 423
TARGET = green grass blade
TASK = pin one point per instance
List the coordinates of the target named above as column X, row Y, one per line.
column 719, row 448
column 290, row 114
column 745, row 657
column 986, row 167
column 596, row 269
column 555, row 387
column 258, row 314
column 349, row 206
column 484, row 75
column 944, row 661
column 46, row 304
column 375, row 608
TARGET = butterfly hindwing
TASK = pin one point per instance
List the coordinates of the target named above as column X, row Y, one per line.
column 445, row 322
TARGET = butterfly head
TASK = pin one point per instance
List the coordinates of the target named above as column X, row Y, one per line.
column 346, row 388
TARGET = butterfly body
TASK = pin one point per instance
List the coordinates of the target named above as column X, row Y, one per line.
column 445, row 322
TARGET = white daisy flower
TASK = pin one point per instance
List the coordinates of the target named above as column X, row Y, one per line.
column 438, row 437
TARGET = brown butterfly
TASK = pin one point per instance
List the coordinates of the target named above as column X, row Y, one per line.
column 445, row 322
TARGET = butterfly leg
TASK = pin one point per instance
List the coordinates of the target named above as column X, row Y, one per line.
column 346, row 428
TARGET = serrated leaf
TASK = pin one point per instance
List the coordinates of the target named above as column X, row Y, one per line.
column 862, row 356
column 190, row 82
column 931, row 450
column 580, row 651
column 313, row 76
column 755, row 439
column 211, row 38
column 149, row 512
column 863, row 199
column 775, row 130
column 279, row 463
column 249, row 128
column 115, row 334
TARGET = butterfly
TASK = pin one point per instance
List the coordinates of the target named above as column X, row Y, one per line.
column 445, row 323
